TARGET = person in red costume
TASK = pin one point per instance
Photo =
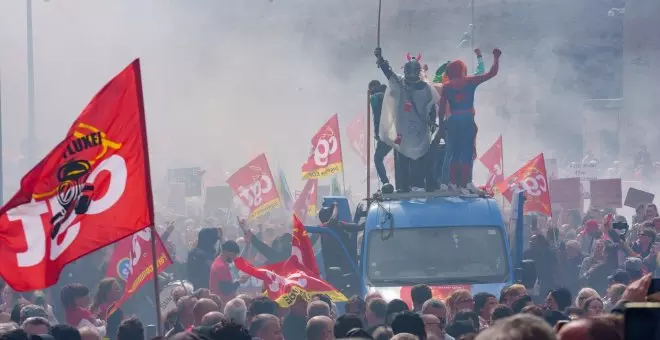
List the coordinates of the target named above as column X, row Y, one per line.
column 458, row 93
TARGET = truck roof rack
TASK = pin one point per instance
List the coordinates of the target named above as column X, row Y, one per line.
column 379, row 196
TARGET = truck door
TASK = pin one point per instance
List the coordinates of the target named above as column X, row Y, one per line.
column 338, row 265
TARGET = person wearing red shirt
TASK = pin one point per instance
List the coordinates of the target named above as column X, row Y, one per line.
column 221, row 283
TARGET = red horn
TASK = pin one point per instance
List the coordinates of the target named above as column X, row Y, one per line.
column 408, row 56
column 419, row 56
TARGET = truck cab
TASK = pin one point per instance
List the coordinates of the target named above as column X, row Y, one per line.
column 446, row 241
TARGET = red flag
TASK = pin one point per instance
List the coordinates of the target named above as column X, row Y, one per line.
column 492, row 160
column 531, row 178
column 306, row 202
column 254, row 185
column 132, row 262
column 301, row 247
column 91, row 190
column 285, row 281
column 325, row 156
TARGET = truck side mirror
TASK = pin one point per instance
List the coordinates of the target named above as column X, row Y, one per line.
column 526, row 275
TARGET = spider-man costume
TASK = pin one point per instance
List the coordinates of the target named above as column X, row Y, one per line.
column 460, row 137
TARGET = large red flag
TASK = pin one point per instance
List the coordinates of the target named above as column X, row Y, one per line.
column 301, row 247
column 91, row 190
column 492, row 160
column 255, row 186
column 357, row 137
column 531, row 178
column 132, row 262
column 325, row 156
column 285, row 281
column 306, row 202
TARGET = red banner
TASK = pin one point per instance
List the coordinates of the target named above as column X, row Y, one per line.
column 306, row 202
column 90, row 191
column 492, row 160
column 301, row 247
column 325, row 156
column 532, row 179
column 132, row 262
column 254, row 185
column 285, row 281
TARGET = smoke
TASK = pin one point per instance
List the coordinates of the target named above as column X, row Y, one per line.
column 227, row 80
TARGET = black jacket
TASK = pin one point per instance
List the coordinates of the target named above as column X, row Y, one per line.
column 200, row 259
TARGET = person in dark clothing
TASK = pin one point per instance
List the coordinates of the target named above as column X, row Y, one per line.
column 377, row 92
column 544, row 257
column 201, row 257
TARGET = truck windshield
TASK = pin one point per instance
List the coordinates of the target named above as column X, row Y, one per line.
column 437, row 255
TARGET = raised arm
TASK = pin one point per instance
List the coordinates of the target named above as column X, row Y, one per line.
column 481, row 68
column 476, row 80
column 382, row 63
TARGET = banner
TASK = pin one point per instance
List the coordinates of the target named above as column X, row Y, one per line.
column 565, row 194
column 586, row 173
column 286, row 281
column 306, row 202
column 532, row 179
column 635, row 197
column 606, row 193
column 492, row 160
column 191, row 177
column 132, row 262
column 325, row 156
column 91, row 190
column 255, row 187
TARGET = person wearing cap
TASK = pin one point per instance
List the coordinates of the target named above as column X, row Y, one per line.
column 634, row 267
column 590, row 233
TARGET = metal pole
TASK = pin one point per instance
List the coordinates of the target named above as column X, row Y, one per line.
column 380, row 6
column 154, row 263
column 472, row 34
column 368, row 141
column 31, row 142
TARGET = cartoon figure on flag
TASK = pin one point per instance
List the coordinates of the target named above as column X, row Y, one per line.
column 91, row 190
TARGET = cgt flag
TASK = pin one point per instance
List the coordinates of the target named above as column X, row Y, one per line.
column 306, row 202
column 254, row 185
column 531, row 178
column 301, row 247
column 91, row 190
column 325, row 156
column 288, row 280
column 131, row 262
column 492, row 160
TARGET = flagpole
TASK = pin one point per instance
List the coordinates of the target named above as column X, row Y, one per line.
column 150, row 196
column 369, row 146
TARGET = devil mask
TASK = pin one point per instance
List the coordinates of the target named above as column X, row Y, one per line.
column 412, row 69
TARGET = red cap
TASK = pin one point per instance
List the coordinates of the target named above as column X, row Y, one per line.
column 591, row 225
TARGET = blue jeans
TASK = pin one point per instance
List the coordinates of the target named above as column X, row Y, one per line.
column 459, row 146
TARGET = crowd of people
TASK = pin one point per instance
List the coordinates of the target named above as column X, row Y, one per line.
column 587, row 272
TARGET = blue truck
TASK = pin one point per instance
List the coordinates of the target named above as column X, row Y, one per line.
column 445, row 241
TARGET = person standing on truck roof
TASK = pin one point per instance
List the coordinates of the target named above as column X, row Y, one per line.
column 376, row 93
column 408, row 119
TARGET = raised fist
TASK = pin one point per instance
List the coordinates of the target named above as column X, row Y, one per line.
column 378, row 52
column 497, row 53
column 477, row 52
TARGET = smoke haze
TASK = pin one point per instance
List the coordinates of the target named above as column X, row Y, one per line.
column 227, row 80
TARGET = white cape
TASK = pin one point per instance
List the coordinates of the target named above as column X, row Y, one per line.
column 412, row 126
